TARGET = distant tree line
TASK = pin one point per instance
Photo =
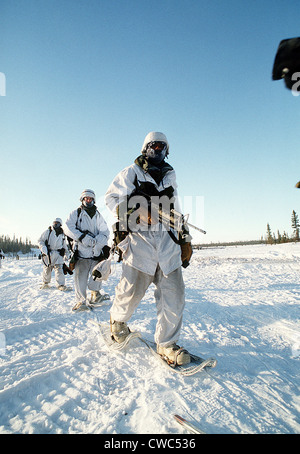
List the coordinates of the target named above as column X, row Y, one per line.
column 15, row 245
column 272, row 238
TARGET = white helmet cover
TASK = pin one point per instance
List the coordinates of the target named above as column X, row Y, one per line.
column 87, row 193
column 155, row 137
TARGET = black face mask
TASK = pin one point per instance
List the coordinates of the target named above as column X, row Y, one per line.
column 57, row 228
column 90, row 210
column 156, row 160
column 156, row 154
column 88, row 204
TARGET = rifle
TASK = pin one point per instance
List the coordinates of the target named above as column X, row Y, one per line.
column 84, row 233
column 129, row 218
column 74, row 258
column 180, row 218
column 160, row 208
column 48, row 254
column 73, row 245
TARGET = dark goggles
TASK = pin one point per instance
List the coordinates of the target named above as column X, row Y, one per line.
column 157, row 146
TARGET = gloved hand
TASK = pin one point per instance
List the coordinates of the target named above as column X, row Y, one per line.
column 44, row 250
column 88, row 241
column 67, row 270
column 97, row 249
column 186, row 254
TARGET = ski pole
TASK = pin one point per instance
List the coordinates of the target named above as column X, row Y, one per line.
column 188, row 425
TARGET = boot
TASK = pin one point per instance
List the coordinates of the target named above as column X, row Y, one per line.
column 44, row 285
column 174, row 354
column 119, row 331
column 97, row 298
column 80, row 306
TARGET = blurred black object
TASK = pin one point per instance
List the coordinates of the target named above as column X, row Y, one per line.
column 287, row 62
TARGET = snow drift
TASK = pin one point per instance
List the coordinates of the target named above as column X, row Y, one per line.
column 242, row 307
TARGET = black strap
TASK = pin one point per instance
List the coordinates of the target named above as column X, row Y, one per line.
column 173, row 237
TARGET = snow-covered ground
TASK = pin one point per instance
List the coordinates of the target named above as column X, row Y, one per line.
column 242, row 306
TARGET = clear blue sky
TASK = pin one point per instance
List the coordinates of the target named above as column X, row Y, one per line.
column 86, row 80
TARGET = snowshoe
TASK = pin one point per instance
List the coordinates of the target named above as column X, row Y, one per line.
column 80, row 306
column 175, row 355
column 105, row 332
column 44, row 286
column 196, row 364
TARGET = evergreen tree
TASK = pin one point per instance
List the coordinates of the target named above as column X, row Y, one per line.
column 285, row 237
column 270, row 239
column 295, row 225
column 16, row 245
column 279, row 237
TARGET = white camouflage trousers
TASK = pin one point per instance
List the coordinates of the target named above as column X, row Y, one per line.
column 83, row 280
column 169, row 297
column 58, row 271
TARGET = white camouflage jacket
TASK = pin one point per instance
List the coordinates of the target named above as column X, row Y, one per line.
column 91, row 245
column 56, row 243
column 144, row 250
